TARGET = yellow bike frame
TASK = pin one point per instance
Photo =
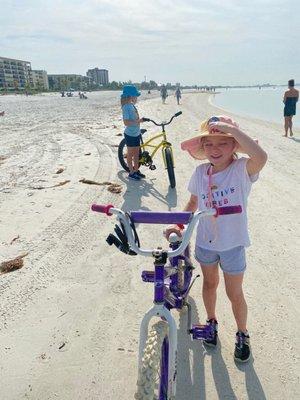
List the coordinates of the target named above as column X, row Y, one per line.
column 162, row 144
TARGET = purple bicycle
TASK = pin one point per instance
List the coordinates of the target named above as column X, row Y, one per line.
column 172, row 279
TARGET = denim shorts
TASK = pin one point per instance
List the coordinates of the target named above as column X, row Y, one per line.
column 231, row 261
column 132, row 141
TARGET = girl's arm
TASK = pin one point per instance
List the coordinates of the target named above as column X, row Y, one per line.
column 257, row 156
column 192, row 206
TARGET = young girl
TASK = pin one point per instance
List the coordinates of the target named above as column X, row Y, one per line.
column 225, row 180
column 132, row 132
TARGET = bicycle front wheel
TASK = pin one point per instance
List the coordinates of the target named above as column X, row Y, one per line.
column 153, row 376
column 170, row 166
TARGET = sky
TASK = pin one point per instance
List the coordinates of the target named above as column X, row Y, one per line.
column 203, row 42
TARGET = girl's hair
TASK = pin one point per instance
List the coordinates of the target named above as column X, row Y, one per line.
column 291, row 83
column 125, row 100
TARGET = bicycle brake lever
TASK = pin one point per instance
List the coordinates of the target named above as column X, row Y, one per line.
column 112, row 239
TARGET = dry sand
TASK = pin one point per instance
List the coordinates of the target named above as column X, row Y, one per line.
column 70, row 317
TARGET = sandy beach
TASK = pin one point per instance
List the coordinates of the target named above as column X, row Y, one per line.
column 69, row 318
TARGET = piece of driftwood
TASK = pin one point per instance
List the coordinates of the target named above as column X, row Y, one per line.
column 14, row 239
column 112, row 187
column 90, row 182
column 49, row 187
column 60, row 183
column 12, row 265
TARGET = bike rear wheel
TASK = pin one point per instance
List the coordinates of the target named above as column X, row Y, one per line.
column 153, row 376
column 122, row 155
column 170, row 166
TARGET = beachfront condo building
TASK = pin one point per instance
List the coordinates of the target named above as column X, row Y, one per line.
column 40, row 79
column 15, row 74
column 99, row 76
column 69, row 82
column 18, row 75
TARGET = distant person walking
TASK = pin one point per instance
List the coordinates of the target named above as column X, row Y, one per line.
column 163, row 93
column 178, row 95
column 132, row 131
column 290, row 99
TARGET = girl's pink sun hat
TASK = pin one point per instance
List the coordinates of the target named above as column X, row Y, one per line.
column 195, row 146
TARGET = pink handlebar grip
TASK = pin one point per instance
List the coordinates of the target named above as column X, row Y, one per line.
column 102, row 208
column 228, row 210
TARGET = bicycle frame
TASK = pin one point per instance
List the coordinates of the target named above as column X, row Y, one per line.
column 165, row 295
column 166, row 298
column 163, row 144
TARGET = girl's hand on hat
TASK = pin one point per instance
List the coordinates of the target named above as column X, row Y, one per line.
column 216, row 127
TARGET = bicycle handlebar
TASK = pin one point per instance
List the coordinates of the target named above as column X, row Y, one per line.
column 182, row 217
column 168, row 217
column 152, row 217
column 163, row 123
column 102, row 208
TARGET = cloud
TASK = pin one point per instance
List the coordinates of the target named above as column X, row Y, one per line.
column 165, row 37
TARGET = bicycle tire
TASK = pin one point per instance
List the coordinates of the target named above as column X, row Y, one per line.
column 154, row 364
column 170, row 167
column 121, row 154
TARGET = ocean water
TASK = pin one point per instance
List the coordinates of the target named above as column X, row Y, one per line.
column 264, row 103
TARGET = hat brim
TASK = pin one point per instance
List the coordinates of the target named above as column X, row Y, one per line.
column 123, row 96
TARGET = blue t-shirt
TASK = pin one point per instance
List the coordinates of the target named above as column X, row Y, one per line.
column 130, row 112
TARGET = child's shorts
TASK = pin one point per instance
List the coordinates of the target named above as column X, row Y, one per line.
column 231, row 261
column 132, row 141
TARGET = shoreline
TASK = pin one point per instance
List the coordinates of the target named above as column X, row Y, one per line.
column 244, row 115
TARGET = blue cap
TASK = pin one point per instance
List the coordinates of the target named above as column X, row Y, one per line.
column 130, row 91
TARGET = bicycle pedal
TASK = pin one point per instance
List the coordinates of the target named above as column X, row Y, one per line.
column 148, row 276
column 152, row 167
column 202, row 332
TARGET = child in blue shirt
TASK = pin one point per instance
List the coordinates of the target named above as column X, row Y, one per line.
column 132, row 132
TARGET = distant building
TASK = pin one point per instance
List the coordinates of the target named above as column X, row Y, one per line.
column 99, row 76
column 40, row 79
column 15, row 74
column 68, row 81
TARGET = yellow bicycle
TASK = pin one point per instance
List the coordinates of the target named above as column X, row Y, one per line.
column 149, row 149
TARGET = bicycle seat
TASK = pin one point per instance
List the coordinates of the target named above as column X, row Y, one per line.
column 143, row 131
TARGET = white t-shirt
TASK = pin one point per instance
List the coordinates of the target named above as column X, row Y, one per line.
column 230, row 187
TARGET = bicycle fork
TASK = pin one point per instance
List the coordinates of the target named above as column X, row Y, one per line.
column 160, row 311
